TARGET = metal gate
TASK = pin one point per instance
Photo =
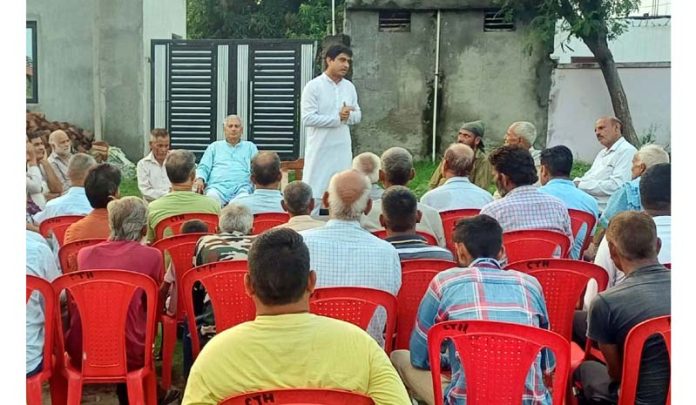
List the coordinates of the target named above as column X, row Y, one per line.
column 195, row 84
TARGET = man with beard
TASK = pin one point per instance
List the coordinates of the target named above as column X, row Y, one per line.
column 60, row 156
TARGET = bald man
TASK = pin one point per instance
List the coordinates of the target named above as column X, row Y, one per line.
column 266, row 176
column 345, row 255
column 612, row 165
column 458, row 192
column 225, row 168
column 60, row 156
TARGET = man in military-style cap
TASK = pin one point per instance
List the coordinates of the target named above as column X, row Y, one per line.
column 471, row 134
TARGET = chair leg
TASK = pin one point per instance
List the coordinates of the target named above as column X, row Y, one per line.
column 59, row 389
column 33, row 391
column 136, row 392
column 151, row 388
column 74, row 391
column 168, row 344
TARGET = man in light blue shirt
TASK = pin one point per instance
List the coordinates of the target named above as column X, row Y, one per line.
column 224, row 169
column 343, row 254
column 40, row 262
column 556, row 164
column 457, row 192
column 266, row 176
column 74, row 201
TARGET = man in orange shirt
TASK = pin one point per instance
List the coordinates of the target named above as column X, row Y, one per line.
column 101, row 186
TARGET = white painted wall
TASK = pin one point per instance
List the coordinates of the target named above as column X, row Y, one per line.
column 579, row 96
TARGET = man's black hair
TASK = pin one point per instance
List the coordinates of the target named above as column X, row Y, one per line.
column 516, row 163
column 656, row 187
column 482, row 236
column 558, row 160
column 265, row 171
column 101, row 184
column 400, row 206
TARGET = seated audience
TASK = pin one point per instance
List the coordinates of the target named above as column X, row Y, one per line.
column 233, row 241
column 45, row 184
column 368, row 163
column 60, row 156
column 556, row 164
column 524, row 134
column 181, row 170
column 470, row 134
column 644, row 294
column 224, row 169
column 345, row 255
column 286, row 346
column 266, row 176
column 153, row 181
column 458, row 192
column 101, row 186
column 612, row 165
column 74, row 201
column 124, row 251
column 523, row 206
column 33, row 189
column 399, row 217
column 40, row 262
column 480, row 289
column 397, row 170
column 298, row 203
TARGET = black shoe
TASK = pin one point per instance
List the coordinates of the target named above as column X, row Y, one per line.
column 171, row 397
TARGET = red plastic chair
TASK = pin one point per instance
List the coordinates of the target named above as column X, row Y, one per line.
column 174, row 223
column 224, row 283
column 67, row 254
column 449, row 220
column 579, row 218
column 57, row 226
column 356, row 305
column 267, row 220
column 534, row 244
column 416, row 275
column 297, row 396
column 102, row 298
column 633, row 351
column 181, row 249
column 34, row 382
column 429, row 238
column 496, row 358
column 668, row 266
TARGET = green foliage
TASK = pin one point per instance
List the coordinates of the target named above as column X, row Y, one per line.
column 129, row 187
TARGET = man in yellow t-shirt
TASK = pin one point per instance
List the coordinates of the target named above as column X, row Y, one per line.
column 286, row 346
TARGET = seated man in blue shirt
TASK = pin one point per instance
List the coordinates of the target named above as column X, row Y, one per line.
column 554, row 174
column 482, row 290
column 224, row 169
column 266, row 176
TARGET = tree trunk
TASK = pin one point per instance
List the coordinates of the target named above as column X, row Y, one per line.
column 602, row 53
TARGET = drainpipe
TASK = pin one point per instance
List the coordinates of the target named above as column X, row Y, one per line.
column 96, row 74
column 437, row 80
column 333, row 17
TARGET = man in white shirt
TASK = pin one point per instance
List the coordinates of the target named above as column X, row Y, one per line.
column 299, row 204
column 612, row 166
column 368, row 164
column 60, row 155
column 153, row 182
column 397, row 170
column 458, row 192
column 329, row 105
column 266, row 176
column 74, row 201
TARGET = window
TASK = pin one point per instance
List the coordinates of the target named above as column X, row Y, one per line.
column 395, row 21
column 494, row 20
column 32, row 83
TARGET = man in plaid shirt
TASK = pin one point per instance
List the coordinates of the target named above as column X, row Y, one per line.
column 523, row 206
column 481, row 291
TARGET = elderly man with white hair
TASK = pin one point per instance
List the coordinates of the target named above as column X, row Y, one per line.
column 368, row 164
column 345, row 255
column 225, row 168
column 60, row 155
column 524, row 134
column 153, row 182
column 232, row 242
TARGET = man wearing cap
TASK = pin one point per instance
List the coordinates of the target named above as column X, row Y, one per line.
column 471, row 134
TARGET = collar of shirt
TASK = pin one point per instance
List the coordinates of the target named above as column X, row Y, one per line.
column 486, row 263
column 647, row 270
column 564, row 182
column 405, row 239
column 235, row 146
column 615, row 146
column 458, row 180
column 151, row 158
column 522, row 190
column 328, row 79
column 54, row 157
column 340, row 223
column 235, row 234
column 99, row 212
column 262, row 191
column 75, row 190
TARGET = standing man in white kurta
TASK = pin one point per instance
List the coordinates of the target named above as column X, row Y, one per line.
column 329, row 105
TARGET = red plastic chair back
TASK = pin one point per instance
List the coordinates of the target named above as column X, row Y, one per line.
column 57, row 226
column 102, row 298
column 429, row 238
column 449, row 220
column 267, row 220
column 579, row 218
column 67, row 254
column 300, row 396
column 496, row 358
column 356, row 305
column 668, row 266
column 224, row 283
column 633, row 352
column 595, row 271
column 416, row 275
column 34, row 382
column 534, row 244
column 175, row 222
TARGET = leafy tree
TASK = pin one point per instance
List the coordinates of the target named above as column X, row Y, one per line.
column 595, row 22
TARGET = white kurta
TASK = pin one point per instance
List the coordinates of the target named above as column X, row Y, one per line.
column 328, row 147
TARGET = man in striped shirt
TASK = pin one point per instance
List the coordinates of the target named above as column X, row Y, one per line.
column 481, row 291
column 399, row 216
